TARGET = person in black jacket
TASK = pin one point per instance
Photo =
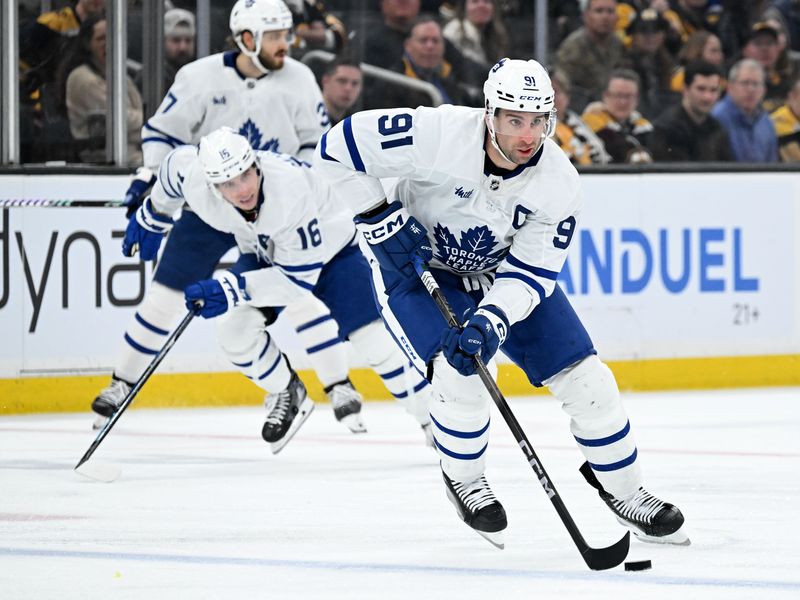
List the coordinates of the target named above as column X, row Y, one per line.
column 686, row 131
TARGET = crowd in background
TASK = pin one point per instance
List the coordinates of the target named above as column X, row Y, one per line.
column 636, row 80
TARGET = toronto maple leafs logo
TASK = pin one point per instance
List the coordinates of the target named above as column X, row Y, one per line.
column 475, row 251
column 253, row 134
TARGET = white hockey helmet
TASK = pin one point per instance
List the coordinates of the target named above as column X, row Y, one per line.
column 258, row 17
column 520, row 85
column 224, row 155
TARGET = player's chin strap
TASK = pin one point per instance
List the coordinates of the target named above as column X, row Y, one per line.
column 548, row 132
column 253, row 54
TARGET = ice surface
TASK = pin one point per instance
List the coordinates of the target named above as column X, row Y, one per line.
column 203, row 510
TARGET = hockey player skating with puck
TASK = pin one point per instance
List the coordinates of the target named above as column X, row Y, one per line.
column 295, row 241
column 274, row 101
column 491, row 203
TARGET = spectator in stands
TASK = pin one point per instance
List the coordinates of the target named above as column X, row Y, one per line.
column 575, row 137
column 762, row 46
column 787, row 124
column 687, row 132
column 478, row 32
column 788, row 56
column 179, row 44
column 651, row 61
column 589, row 54
column 86, row 95
column 316, row 27
column 423, row 59
column 701, row 45
column 42, row 43
column 615, row 120
column 788, row 12
column 688, row 16
column 750, row 130
column 341, row 88
column 384, row 45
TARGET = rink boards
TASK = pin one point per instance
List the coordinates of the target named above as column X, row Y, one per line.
column 683, row 280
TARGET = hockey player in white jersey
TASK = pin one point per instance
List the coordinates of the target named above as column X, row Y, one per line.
column 275, row 102
column 491, row 203
column 295, row 240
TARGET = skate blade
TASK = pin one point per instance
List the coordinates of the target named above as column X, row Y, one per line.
column 306, row 408
column 99, row 422
column 494, row 538
column 354, row 423
column 676, row 538
column 98, row 471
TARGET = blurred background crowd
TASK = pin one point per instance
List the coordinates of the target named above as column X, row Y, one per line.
column 637, row 81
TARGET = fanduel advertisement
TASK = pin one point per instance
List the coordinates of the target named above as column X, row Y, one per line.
column 662, row 266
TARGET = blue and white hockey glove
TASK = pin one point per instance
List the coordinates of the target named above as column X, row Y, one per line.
column 145, row 231
column 213, row 297
column 486, row 329
column 141, row 183
column 396, row 238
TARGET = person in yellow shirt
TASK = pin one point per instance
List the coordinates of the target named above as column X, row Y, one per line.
column 575, row 137
column 616, row 120
column 787, row 124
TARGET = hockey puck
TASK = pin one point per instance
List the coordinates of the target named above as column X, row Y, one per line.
column 638, row 565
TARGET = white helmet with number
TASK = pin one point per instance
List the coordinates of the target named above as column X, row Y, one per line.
column 224, row 155
column 521, row 85
column 257, row 17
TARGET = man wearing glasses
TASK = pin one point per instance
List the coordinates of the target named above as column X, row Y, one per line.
column 752, row 134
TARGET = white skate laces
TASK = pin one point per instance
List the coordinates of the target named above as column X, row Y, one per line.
column 642, row 507
column 475, row 494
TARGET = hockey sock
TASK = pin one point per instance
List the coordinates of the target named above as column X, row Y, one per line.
column 149, row 329
column 589, row 395
column 319, row 336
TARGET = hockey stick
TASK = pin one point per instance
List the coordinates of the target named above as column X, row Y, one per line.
column 108, row 473
column 597, row 559
column 59, row 203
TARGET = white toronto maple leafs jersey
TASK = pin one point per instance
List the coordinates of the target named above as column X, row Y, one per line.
column 518, row 226
column 281, row 111
column 299, row 228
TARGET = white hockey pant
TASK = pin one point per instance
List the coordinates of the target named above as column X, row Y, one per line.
column 589, row 395
column 146, row 333
column 460, row 416
column 377, row 348
column 246, row 343
column 319, row 335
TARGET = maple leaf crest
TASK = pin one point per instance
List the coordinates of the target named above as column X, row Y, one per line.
column 478, row 240
column 253, row 134
column 473, row 252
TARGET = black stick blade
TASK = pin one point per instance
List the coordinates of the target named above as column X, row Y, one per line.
column 600, row 559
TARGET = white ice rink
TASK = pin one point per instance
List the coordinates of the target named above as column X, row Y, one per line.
column 203, row 510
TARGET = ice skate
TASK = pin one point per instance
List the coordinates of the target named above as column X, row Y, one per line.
column 649, row 518
column 286, row 412
column 478, row 508
column 108, row 401
column 346, row 403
